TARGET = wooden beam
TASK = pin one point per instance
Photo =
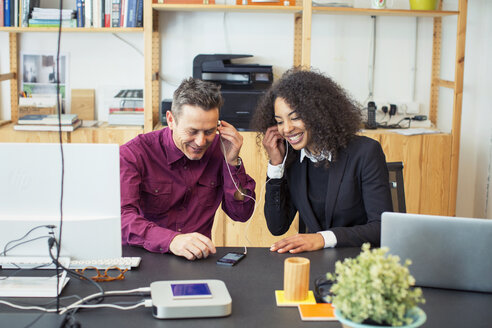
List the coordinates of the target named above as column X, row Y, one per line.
column 446, row 84
column 156, row 67
column 148, row 55
column 7, row 76
column 14, row 85
column 457, row 103
column 297, row 39
column 435, row 71
column 307, row 13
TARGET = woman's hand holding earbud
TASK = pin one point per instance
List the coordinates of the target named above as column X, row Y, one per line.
column 232, row 142
column 274, row 145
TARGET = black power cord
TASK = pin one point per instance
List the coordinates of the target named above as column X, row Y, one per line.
column 61, row 153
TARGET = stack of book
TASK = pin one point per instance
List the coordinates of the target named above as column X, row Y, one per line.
column 127, row 108
column 126, row 117
column 43, row 122
column 50, row 17
column 109, row 13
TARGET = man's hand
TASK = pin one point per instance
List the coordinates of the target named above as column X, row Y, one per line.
column 232, row 142
column 274, row 145
column 192, row 246
column 304, row 242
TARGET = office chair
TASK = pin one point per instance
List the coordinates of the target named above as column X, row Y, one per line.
column 395, row 170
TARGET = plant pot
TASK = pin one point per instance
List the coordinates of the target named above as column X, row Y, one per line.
column 423, row 4
column 416, row 314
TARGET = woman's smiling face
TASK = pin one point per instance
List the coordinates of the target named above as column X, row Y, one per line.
column 290, row 126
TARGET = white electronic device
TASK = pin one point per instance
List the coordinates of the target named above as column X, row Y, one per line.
column 30, row 192
column 173, row 299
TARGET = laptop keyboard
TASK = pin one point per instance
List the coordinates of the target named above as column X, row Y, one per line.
column 31, row 262
column 27, row 262
column 120, row 262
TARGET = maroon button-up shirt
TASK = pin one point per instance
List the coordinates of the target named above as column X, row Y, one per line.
column 163, row 193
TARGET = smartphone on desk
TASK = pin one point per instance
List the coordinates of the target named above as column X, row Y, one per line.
column 231, row 258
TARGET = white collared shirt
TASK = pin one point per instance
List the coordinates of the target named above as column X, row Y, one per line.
column 277, row 172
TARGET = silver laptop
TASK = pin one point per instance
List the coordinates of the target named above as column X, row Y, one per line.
column 446, row 252
column 30, row 191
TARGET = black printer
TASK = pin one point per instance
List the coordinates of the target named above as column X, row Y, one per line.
column 242, row 85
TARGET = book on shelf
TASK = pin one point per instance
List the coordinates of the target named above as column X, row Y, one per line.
column 88, row 13
column 115, row 13
column 1, row 13
column 80, row 4
column 96, row 13
column 44, row 119
column 52, row 13
column 52, row 22
column 131, row 17
column 139, row 13
column 107, row 13
column 26, row 8
column 191, row 2
column 125, row 110
column 126, row 118
column 6, row 11
column 123, row 12
column 285, row 3
column 48, row 127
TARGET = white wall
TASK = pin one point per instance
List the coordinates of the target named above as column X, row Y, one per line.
column 475, row 181
column 340, row 48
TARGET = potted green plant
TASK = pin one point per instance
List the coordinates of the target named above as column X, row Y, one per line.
column 374, row 290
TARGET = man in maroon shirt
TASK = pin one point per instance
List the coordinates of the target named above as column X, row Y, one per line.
column 173, row 180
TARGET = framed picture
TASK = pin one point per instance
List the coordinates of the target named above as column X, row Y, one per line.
column 39, row 74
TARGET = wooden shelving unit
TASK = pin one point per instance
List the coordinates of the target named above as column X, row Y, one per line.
column 431, row 161
column 382, row 12
column 228, row 8
column 73, row 29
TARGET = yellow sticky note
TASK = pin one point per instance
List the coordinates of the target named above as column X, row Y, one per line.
column 279, row 296
column 317, row 312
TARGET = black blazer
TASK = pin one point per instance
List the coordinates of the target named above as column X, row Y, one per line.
column 358, row 192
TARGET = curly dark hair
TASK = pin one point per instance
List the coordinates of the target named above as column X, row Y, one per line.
column 325, row 108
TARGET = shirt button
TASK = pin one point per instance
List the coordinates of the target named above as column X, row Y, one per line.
column 212, row 184
column 156, row 191
column 179, row 230
column 185, row 167
column 160, row 249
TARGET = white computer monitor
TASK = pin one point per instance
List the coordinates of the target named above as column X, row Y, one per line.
column 30, row 196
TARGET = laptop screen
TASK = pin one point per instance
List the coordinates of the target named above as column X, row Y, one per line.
column 30, row 195
column 446, row 252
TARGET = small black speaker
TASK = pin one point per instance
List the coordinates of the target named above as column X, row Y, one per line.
column 165, row 106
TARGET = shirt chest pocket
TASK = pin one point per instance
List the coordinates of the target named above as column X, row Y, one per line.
column 156, row 197
column 208, row 189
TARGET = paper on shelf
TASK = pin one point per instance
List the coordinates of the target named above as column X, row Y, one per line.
column 411, row 132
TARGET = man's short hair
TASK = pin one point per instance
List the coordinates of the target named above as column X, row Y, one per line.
column 196, row 92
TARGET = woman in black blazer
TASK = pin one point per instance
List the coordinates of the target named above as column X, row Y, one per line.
column 319, row 167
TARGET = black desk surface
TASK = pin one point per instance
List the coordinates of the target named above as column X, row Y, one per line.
column 251, row 285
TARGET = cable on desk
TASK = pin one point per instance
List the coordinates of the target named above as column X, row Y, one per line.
column 114, row 306
column 27, row 307
column 50, row 234
column 113, row 292
column 52, row 241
